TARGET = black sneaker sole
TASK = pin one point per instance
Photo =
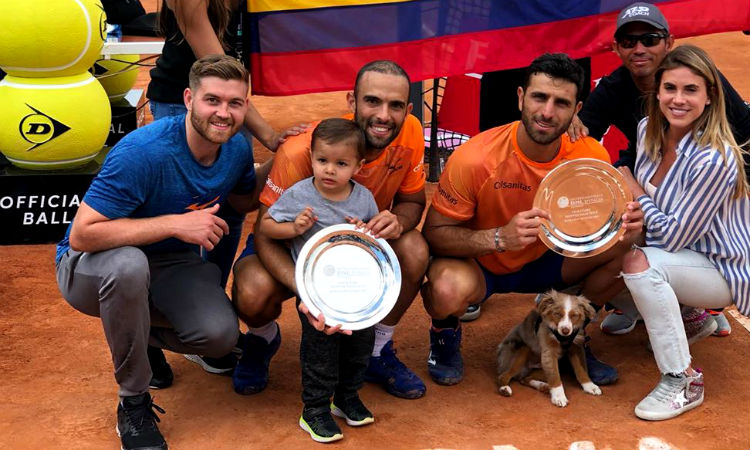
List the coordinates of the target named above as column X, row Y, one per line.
column 161, row 447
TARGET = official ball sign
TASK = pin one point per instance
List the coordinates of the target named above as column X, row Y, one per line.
column 37, row 207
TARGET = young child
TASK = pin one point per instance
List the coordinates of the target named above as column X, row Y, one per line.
column 332, row 365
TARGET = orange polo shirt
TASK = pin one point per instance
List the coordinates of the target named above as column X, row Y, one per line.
column 488, row 180
column 398, row 169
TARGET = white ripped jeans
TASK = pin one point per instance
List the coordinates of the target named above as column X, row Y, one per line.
column 684, row 277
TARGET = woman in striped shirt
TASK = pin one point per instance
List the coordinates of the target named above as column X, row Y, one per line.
column 696, row 246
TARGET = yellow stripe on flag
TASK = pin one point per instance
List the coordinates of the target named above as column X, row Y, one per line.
column 258, row 6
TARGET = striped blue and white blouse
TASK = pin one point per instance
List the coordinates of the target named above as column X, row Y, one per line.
column 694, row 208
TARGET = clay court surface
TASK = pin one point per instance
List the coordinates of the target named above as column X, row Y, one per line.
column 59, row 393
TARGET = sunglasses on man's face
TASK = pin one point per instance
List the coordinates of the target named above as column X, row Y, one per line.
column 648, row 39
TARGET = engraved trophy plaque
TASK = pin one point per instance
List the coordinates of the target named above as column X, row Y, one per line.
column 586, row 199
column 351, row 277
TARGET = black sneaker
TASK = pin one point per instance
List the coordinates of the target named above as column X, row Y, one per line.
column 136, row 424
column 321, row 426
column 161, row 374
column 353, row 410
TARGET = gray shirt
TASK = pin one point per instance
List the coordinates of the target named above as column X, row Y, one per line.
column 359, row 204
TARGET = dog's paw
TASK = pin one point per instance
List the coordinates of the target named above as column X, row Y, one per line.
column 505, row 391
column 540, row 386
column 591, row 388
column 557, row 395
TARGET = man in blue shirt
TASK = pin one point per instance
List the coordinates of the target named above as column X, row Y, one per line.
column 132, row 255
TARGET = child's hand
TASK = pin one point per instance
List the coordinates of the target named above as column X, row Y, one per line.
column 357, row 222
column 319, row 323
column 304, row 220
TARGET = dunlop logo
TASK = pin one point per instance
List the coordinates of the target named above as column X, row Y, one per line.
column 39, row 128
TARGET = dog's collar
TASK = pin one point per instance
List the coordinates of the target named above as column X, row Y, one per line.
column 565, row 341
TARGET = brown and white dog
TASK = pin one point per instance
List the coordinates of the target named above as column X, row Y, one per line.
column 550, row 331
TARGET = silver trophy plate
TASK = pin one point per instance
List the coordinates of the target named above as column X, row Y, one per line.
column 586, row 199
column 350, row 276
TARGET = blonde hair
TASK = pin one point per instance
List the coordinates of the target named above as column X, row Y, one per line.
column 712, row 128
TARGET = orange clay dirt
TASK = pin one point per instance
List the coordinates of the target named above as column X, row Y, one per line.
column 59, row 393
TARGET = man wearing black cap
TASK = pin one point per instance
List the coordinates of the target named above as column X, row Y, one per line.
column 642, row 40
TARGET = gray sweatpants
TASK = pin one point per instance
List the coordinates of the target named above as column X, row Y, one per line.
column 179, row 291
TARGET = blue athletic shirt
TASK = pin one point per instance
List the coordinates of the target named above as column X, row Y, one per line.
column 151, row 172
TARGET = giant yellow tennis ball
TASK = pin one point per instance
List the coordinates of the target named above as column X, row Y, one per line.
column 117, row 74
column 53, row 123
column 50, row 38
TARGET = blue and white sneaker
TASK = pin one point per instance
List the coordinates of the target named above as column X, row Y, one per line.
column 388, row 371
column 251, row 373
column 600, row 373
column 445, row 364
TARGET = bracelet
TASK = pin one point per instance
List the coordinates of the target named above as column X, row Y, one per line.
column 498, row 249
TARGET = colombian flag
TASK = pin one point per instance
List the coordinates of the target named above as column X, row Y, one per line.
column 303, row 46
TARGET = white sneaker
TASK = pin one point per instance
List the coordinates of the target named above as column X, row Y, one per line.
column 219, row 366
column 673, row 396
column 472, row 313
column 617, row 322
column 722, row 325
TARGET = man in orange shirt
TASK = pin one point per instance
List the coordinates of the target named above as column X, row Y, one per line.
column 482, row 228
column 394, row 173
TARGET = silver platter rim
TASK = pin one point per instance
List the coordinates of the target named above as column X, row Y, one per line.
column 602, row 239
column 387, row 261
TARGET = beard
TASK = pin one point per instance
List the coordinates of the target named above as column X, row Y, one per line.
column 539, row 137
column 377, row 142
column 203, row 127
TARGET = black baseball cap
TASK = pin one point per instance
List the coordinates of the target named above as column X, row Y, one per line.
column 642, row 12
